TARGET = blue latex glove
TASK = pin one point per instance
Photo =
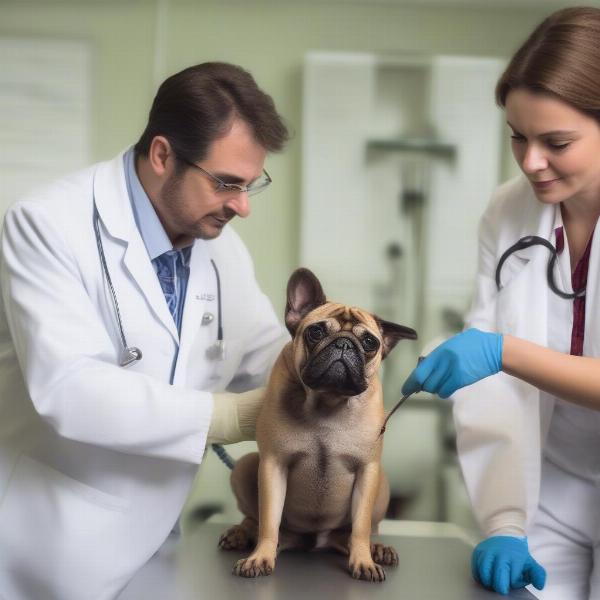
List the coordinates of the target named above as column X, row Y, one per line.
column 459, row 361
column 503, row 562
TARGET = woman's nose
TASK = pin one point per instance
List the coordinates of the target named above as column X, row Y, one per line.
column 534, row 160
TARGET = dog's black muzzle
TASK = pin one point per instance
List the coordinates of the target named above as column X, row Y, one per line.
column 337, row 367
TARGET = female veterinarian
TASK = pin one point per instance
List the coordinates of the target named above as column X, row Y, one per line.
column 529, row 436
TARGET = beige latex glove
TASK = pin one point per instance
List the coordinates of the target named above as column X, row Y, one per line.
column 234, row 416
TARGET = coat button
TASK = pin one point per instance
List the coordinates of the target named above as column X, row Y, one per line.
column 207, row 318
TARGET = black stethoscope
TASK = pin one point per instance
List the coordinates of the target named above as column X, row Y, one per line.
column 131, row 354
column 534, row 240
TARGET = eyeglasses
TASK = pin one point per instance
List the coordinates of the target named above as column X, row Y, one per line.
column 257, row 186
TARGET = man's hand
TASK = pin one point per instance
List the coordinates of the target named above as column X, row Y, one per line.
column 503, row 562
column 234, row 416
column 459, row 361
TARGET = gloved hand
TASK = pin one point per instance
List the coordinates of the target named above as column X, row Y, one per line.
column 503, row 562
column 234, row 416
column 457, row 362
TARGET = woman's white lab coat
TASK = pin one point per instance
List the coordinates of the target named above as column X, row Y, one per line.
column 96, row 460
column 501, row 423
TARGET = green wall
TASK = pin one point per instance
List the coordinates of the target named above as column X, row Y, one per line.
column 269, row 38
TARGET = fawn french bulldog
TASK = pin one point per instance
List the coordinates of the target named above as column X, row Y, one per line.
column 317, row 480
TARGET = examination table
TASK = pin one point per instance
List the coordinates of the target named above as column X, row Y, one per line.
column 434, row 565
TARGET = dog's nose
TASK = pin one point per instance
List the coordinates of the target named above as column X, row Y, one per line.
column 343, row 343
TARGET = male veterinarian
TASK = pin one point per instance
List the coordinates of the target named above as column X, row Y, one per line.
column 128, row 307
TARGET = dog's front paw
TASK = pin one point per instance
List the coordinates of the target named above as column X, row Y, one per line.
column 384, row 555
column 367, row 570
column 254, row 566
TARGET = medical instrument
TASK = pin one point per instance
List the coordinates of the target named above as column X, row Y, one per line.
column 398, row 405
column 217, row 350
column 130, row 354
column 400, row 402
column 533, row 240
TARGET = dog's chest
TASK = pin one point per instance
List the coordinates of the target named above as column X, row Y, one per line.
column 322, row 468
column 322, row 458
column 325, row 445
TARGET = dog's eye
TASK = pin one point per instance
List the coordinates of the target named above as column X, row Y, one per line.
column 315, row 333
column 370, row 343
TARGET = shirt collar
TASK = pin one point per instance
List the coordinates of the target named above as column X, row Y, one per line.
column 153, row 233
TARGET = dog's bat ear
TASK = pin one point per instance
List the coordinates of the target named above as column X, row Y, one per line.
column 304, row 293
column 392, row 333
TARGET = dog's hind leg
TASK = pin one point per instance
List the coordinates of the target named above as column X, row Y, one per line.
column 240, row 537
column 244, row 483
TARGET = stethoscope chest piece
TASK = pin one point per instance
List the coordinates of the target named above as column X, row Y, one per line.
column 216, row 351
column 129, row 355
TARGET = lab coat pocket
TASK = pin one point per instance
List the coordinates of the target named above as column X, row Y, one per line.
column 520, row 305
column 513, row 266
column 50, row 529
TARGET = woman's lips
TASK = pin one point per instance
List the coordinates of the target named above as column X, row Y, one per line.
column 544, row 185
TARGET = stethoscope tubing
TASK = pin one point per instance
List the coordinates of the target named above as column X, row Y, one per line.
column 535, row 240
column 126, row 347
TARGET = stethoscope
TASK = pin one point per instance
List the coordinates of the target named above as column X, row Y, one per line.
column 130, row 354
column 534, row 240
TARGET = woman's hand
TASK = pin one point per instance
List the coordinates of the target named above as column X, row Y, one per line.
column 457, row 362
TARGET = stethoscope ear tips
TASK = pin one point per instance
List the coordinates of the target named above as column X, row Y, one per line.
column 129, row 355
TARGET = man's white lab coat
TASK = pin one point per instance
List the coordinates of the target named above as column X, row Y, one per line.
column 96, row 460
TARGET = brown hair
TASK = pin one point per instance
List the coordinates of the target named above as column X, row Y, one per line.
column 561, row 58
column 197, row 105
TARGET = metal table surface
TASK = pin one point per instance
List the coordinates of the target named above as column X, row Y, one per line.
column 192, row 568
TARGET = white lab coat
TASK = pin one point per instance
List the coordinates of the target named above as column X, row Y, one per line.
column 501, row 423
column 96, row 460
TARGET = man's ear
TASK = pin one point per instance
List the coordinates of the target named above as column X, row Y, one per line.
column 158, row 153
column 392, row 333
column 304, row 293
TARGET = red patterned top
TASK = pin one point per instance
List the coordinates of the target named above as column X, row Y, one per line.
column 578, row 282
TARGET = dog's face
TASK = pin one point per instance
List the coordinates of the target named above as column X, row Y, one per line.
column 337, row 348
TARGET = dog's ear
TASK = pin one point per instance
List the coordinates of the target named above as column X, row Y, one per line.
column 304, row 293
column 392, row 333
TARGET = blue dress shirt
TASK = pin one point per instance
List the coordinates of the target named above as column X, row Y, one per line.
column 172, row 266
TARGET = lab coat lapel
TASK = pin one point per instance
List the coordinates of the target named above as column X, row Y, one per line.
column 138, row 264
column 114, row 208
column 201, row 297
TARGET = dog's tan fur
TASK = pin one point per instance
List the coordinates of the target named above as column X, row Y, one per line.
column 320, row 481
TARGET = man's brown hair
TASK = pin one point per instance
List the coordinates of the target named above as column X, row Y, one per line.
column 198, row 105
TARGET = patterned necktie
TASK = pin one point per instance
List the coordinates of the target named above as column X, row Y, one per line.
column 166, row 269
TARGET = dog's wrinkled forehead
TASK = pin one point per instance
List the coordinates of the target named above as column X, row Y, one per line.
column 341, row 317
